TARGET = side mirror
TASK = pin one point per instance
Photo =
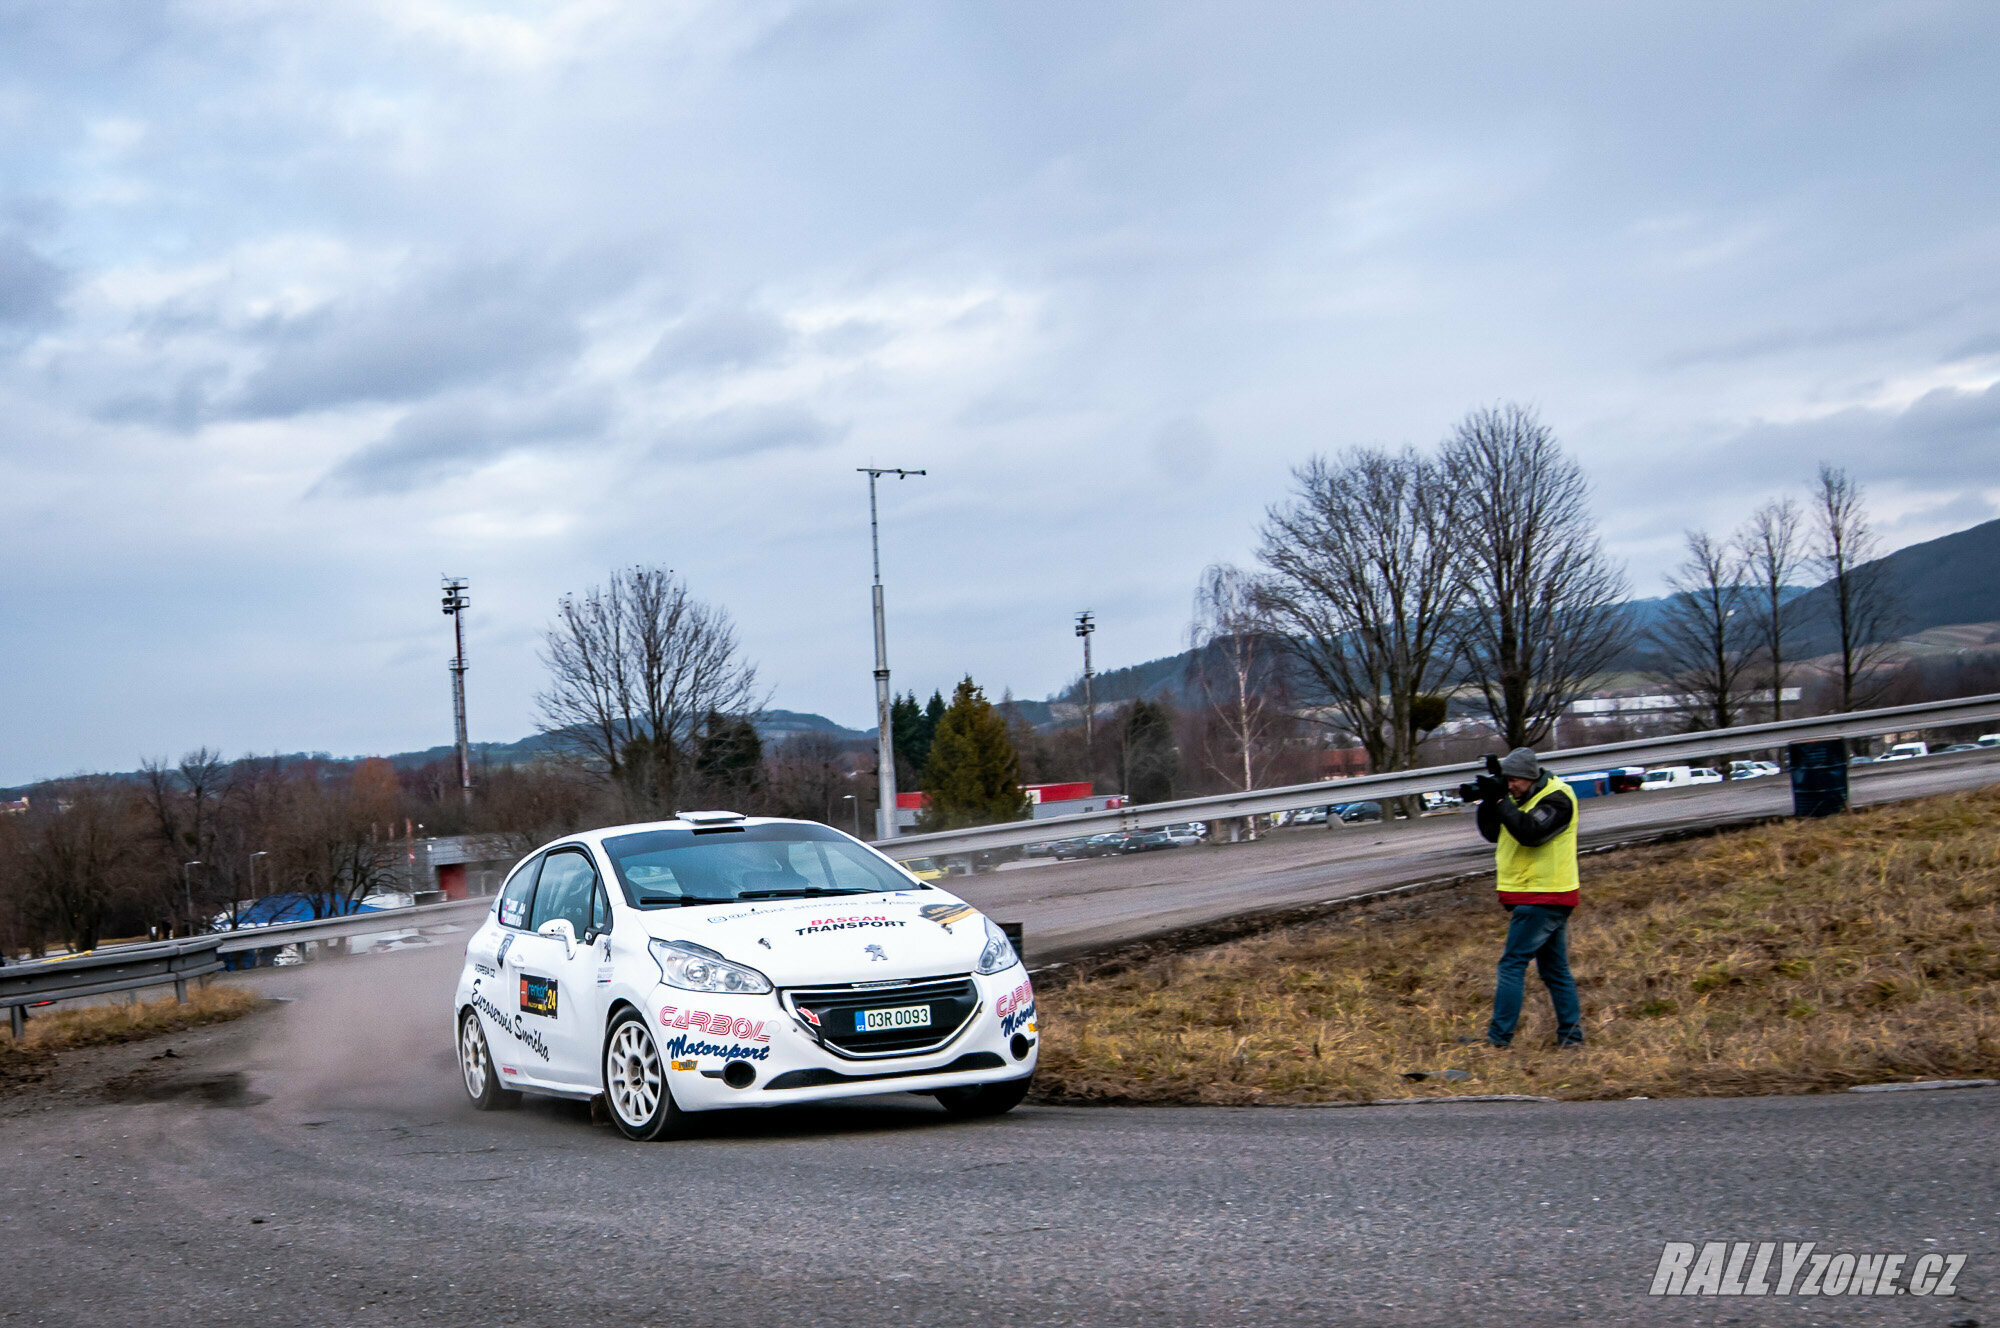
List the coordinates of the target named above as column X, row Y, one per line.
column 561, row 929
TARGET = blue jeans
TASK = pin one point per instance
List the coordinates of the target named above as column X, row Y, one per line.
column 1539, row 932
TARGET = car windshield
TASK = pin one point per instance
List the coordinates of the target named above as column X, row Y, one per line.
column 675, row 868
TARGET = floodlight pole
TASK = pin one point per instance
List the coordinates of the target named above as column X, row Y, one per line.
column 1084, row 627
column 885, row 744
column 187, row 892
column 455, row 604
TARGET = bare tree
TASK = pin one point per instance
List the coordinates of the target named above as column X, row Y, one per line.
column 1772, row 550
column 634, row 670
column 1542, row 615
column 1231, row 668
column 1859, row 602
column 1364, row 588
column 1706, row 632
column 77, row 859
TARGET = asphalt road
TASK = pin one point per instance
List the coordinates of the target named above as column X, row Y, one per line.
column 1070, row 908
column 320, row 1167
column 318, row 1164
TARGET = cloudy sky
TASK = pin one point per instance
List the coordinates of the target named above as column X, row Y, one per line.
column 304, row 305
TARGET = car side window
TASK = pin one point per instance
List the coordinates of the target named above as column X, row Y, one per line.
column 516, row 894
column 567, row 886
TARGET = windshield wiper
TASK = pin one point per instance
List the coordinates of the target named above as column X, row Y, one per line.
column 801, row 893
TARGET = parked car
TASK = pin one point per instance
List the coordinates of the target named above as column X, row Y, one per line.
column 704, row 962
column 1666, row 777
column 1861, row 760
column 1147, row 841
column 1065, row 849
column 1960, row 747
column 1094, row 846
column 1183, row 836
column 926, row 869
column 1355, row 812
column 1306, row 816
column 1906, row 751
column 1989, row 740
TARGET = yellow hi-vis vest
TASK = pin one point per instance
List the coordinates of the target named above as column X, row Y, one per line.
column 1549, row 869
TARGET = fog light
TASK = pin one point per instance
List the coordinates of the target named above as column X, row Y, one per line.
column 1020, row 1046
column 739, row 1074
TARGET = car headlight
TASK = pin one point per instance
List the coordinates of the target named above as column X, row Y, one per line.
column 998, row 956
column 694, row 967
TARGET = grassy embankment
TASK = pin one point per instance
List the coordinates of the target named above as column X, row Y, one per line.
column 1792, row 958
column 26, row 1059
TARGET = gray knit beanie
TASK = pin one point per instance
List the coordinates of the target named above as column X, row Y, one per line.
column 1520, row 764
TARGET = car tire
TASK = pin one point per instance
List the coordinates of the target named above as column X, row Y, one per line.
column 636, row 1095
column 475, row 1064
column 977, row 1100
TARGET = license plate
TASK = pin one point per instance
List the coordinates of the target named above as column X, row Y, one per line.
column 901, row 1016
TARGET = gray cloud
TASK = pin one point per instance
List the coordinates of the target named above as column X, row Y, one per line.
column 748, row 431
column 454, row 436
column 474, row 324
column 31, row 287
column 724, row 337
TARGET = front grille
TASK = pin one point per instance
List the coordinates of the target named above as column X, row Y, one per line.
column 953, row 1002
column 819, row 1078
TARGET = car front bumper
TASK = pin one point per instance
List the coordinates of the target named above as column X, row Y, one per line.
column 754, row 1051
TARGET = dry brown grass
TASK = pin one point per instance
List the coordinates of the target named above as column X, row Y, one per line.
column 26, row 1059
column 1796, row 957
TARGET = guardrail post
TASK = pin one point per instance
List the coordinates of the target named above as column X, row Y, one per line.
column 181, row 990
column 18, row 1017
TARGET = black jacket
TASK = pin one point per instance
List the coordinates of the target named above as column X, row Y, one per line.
column 1532, row 829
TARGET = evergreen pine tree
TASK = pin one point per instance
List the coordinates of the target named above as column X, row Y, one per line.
column 729, row 758
column 972, row 776
column 1151, row 761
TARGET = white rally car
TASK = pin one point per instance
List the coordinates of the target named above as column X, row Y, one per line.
column 717, row 960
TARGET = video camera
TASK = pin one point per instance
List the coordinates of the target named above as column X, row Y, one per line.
column 1489, row 787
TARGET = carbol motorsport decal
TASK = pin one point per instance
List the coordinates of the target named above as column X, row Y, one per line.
column 716, row 1026
column 531, row 1038
column 538, row 995
column 1016, row 1008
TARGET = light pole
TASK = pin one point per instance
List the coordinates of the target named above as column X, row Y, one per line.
column 885, row 747
column 1084, row 627
column 455, row 604
column 260, row 853
column 849, row 797
column 187, row 892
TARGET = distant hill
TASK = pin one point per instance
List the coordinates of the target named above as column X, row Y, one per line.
column 773, row 726
column 1939, row 583
column 1945, row 582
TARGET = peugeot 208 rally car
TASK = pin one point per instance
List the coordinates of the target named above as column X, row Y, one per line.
column 717, row 960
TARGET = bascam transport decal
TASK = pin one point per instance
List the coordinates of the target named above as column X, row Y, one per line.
column 855, row 922
column 538, row 995
column 945, row 914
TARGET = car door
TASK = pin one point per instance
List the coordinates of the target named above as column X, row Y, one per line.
column 553, row 982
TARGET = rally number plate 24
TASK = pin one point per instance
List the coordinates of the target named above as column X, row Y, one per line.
column 901, row 1016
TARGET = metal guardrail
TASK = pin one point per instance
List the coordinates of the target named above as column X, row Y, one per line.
column 157, row 963
column 1668, row 749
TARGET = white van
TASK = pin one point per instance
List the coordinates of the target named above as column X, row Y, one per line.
column 1907, row 751
column 1678, row 776
column 1989, row 740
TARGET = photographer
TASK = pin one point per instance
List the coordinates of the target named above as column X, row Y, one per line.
column 1530, row 816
